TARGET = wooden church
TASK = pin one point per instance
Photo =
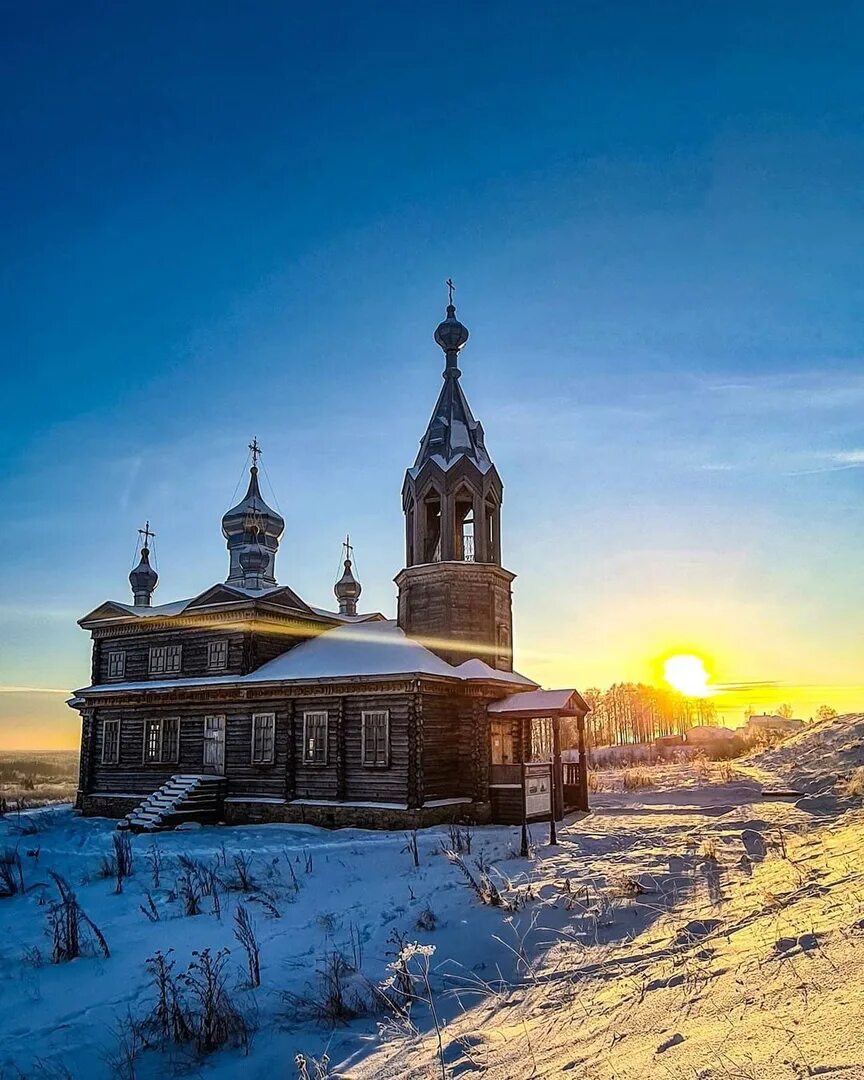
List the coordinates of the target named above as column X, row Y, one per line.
column 247, row 703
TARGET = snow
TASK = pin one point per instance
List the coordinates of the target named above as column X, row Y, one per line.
column 540, row 701
column 692, row 930
column 378, row 648
column 817, row 758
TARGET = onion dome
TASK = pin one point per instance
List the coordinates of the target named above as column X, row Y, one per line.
column 451, row 335
column 348, row 588
column 235, row 528
column 254, row 558
column 143, row 580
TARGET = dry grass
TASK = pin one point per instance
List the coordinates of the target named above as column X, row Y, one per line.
column 854, row 783
column 635, row 778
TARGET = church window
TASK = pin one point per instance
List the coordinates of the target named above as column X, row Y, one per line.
column 110, row 742
column 116, row 664
column 217, row 655
column 315, row 738
column 161, row 740
column 263, row 738
column 376, row 738
column 503, row 643
column 502, row 742
column 165, row 659
column 432, row 542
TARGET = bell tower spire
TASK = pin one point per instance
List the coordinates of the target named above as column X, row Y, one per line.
column 144, row 578
column 453, row 585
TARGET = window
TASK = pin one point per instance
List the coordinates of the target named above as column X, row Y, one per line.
column 217, row 655
column 165, row 659
column 116, row 664
column 263, row 738
column 376, row 739
column 162, row 740
column 315, row 738
column 110, row 742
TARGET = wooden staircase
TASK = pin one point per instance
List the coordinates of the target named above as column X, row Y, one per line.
column 182, row 798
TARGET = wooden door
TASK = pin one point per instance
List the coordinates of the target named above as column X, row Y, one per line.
column 214, row 743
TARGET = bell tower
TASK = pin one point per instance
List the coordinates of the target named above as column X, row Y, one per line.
column 453, row 593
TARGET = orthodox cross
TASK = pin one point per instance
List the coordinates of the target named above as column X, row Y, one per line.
column 349, row 548
column 450, row 288
column 256, row 450
column 146, row 534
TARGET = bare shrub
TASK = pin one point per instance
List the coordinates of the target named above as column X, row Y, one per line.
column 187, row 890
column 460, row 838
column 68, row 925
column 411, row 846
column 427, row 919
column 11, row 873
column 335, row 998
column 168, row 1022
column 150, row 909
column 244, row 932
column 216, row 1021
column 243, row 868
column 124, row 865
column 482, row 885
column 156, row 863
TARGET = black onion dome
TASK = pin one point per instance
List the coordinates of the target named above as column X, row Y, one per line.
column 234, row 522
column 451, row 334
column 143, row 578
column 253, row 556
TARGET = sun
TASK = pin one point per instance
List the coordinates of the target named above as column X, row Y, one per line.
column 686, row 673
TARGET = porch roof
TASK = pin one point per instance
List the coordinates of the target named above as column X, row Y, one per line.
column 540, row 703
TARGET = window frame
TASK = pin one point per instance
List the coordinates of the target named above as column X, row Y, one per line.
column 270, row 757
column 160, row 654
column 112, row 656
column 218, row 643
column 366, row 715
column 306, row 758
column 172, row 757
column 115, row 725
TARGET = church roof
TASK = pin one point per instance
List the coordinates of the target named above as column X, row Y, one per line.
column 452, row 431
column 375, row 649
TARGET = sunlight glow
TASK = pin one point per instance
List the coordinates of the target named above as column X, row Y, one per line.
column 687, row 674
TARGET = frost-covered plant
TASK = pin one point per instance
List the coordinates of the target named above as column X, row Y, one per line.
column 312, row 1068
column 411, row 846
column 155, row 862
column 460, row 838
column 409, row 982
column 335, row 998
column 168, row 1021
column 68, row 924
column 482, row 885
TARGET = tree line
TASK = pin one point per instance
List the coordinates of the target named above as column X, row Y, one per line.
column 637, row 713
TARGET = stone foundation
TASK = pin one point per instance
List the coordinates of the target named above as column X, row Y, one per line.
column 336, row 816
column 107, row 805
column 237, row 811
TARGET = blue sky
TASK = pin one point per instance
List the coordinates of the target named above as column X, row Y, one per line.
column 234, row 219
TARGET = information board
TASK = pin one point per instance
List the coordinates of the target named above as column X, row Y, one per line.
column 538, row 790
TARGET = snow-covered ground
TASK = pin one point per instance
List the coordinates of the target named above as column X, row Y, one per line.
column 690, row 930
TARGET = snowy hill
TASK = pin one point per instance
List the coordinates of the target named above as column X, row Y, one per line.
column 822, row 756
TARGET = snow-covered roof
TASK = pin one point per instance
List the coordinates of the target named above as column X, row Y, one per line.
column 376, row 648
column 539, row 702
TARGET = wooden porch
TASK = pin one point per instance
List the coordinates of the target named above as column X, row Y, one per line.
column 528, row 778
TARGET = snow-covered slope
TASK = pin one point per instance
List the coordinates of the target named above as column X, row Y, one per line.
column 822, row 755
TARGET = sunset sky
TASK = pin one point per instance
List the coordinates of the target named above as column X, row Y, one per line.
column 220, row 220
